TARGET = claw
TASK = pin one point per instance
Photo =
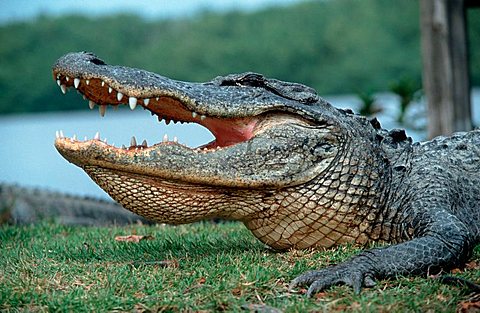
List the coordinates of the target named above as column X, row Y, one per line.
column 336, row 275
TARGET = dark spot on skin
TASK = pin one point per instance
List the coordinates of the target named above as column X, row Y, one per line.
column 375, row 123
column 398, row 135
column 400, row 168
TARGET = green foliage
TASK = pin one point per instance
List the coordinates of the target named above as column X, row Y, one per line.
column 206, row 266
column 367, row 106
column 312, row 42
column 406, row 89
column 334, row 46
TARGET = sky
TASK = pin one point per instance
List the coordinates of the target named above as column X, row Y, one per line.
column 14, row 10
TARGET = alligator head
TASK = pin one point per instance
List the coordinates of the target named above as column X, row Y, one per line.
column 278, row 161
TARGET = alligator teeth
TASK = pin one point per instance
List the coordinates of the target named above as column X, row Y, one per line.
column 146, row 101
column 59, row 82
column 175, row 139
column 119, row 96
column 102, row 109
column 194, row 114
column 110, row 89
column 157, row 98
column 76, row 82
column 203, row 117
column 133, row 142
column 132, row 102
column 165, row 138
column 103, row 83
column 123, row 147
column 74, row 138
column 87, row 82
column 58, row 76
column 144, row 143
column 84, row 97
column 91, row 104
column 57, row 134
column 63, row 88
column 97, row 136
column 67, row 78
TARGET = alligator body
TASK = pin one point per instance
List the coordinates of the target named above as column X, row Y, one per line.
column 296, row 171
column 22, row 205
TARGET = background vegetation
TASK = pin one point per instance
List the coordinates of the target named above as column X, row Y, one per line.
column 337, row 46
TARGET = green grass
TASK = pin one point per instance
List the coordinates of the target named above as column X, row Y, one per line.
column 210, row 267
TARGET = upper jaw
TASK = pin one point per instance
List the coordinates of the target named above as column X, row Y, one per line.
column 227, row 97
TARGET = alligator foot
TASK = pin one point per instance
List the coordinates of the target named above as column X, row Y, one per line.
column 354, row 274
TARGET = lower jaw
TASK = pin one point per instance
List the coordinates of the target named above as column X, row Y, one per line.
column 165, row 201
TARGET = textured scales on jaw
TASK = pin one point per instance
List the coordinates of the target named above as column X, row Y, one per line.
column 98, row 93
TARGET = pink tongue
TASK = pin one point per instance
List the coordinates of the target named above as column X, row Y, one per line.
column 230, row 132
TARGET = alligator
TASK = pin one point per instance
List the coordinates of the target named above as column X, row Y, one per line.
column 27, row 205
column 298, row 172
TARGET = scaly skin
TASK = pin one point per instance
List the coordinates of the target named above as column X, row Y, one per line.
column 296, row 171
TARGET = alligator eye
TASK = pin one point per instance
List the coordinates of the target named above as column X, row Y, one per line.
column 97, row 62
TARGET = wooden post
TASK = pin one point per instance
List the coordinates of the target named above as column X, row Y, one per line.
column 445, row 66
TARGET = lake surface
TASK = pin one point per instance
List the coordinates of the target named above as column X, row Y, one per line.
column 28, row 157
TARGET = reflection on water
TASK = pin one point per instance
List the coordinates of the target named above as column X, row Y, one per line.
column 28, row 157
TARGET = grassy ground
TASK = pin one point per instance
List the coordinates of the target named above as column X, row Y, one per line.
column 201, row 267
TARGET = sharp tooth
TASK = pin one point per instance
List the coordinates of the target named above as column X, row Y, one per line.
column 58, row 76
column 87, row 82
column 102, row 109
column 105, row 141
column 67, row 78
column 110, row 89
column 103, row 83
column 194, row 114
column 144, row 143
column 84, row 98
column 119, row 96
column 76, row 82
column 165, row 138
column 175, row 139
column 85, row 139
column 97, row 136
column 132, row 102
column 61, row 134
column 167, row 121
column 91, row 104
column 63, row 88
column 203, row 117
column 59, row 82
column 123, row 147
column 57, row 134
column 157, row 98
column 133, row 142
column 146, row 101
column 74, row 138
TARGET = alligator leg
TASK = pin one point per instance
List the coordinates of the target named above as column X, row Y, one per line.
column 443, row 243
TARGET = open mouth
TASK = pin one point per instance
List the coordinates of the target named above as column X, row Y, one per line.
column 102, row 95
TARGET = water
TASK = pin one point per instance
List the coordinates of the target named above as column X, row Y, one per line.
column 28, row 157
